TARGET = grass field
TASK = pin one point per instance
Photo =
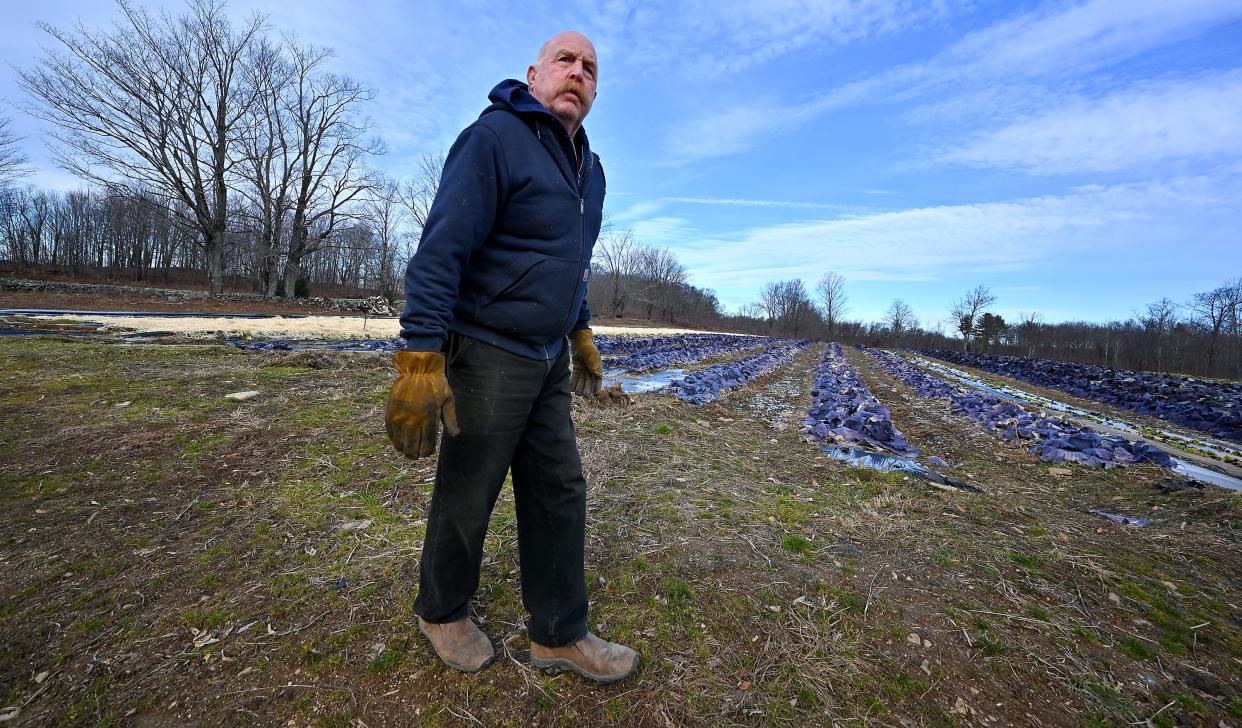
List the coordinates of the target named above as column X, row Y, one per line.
column 172, row 557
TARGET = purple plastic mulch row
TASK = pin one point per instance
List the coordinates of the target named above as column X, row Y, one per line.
column 639, row 354
column 1208, row 406
column 1058, row 439
column 845, row 411
column 705, row 385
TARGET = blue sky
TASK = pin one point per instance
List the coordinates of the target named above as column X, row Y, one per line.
column 1082, row 159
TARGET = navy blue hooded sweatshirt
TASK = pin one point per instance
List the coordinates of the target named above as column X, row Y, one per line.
column 506, row 251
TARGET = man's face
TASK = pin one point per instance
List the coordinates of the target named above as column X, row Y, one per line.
column 563, row 78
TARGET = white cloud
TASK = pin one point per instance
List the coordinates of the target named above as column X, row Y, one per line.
column 638, row 210
column 707, row 38
column 1066, row 41
column 646, row 208
column 1089, row 224
column 743, row 202
column 1087, row 34
column 1200, row 118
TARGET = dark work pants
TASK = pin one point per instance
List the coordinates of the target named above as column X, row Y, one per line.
column 514, row 413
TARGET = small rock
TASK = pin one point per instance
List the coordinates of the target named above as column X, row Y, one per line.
column 925, row 667
column 1112, row 597
column 914, row 639
column 242, row 396
column 961, row 708
column 41, row 677
column 126, row 403
column 1060, row 472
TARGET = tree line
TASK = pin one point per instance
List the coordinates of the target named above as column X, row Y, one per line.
column 1200, row 336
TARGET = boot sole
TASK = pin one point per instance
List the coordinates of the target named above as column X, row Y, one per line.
column 455, row 666
column 557, row 665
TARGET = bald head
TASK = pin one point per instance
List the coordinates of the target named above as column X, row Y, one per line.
column 563, row 78
column 552, row 43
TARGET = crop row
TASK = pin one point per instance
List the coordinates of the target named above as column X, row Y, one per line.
column 1208, row 406
column 1057, row 439
column 705, row 385
column 844, row 410
column 638, row 354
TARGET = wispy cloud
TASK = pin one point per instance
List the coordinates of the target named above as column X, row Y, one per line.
column 1046, row 44
column 1198, row 118
column 647, row 208
column 714, row 39
column 938, row 242
column 741, row 202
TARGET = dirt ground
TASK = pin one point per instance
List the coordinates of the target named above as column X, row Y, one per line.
column 175, row 557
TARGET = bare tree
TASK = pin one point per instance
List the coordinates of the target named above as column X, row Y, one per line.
column 328, row 138
column 270, row 159
column 152, row 104
column 797, row 311
column 832, row 297
column 1234, row 326
column 1211, row 311
column 1028, row 331
column 621, row 261
column 900, row 318
column 662, row 275
column 770, row 303
column 787, row 307
column 967, row 309
column 1158, row 322
column 420, row 191
column 386, row 215
column 12, row 158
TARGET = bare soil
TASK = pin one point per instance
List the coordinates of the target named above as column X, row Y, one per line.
column 174, row 557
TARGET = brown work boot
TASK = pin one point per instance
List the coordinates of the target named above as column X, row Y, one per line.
column 461, row 644
column 591, row 657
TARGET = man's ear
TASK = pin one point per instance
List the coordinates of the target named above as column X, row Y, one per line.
column 530, row 75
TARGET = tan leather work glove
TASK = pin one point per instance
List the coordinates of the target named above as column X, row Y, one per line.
column 588, row 376
column 419, row 398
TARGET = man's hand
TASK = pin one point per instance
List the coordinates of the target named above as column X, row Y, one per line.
column 588, row 376
column 419, row 398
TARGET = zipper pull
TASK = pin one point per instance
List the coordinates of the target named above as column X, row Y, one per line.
column 581, row 206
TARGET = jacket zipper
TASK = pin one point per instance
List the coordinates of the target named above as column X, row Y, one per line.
column 581, row 179
column 582, row 182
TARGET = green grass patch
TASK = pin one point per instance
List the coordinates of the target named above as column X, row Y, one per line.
column 798, row 545
column 1135, row 649
column 677, row 592
column 390, row 658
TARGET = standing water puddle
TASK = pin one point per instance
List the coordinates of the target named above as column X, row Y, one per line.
column 638, row 383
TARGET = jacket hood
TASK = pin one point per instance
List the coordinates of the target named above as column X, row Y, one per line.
column 515, row 96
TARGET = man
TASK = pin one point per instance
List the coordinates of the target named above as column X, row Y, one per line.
column 498, row 282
